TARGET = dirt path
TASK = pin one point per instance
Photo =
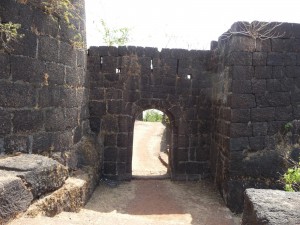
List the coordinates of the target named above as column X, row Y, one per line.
column 147, row 202
column 146, row 149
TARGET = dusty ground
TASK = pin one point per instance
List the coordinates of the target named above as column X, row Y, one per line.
column 146, row 148
column 147, row 202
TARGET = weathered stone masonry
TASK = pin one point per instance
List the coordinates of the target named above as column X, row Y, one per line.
column 225, row 105
column 241, row 94
column 255, row 93
column 43, row 88
column 127, row 80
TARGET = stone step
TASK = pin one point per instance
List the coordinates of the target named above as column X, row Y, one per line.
column 26, row 177
column 70, row 198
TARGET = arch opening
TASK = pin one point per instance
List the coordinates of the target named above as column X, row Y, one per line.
column 151, row 144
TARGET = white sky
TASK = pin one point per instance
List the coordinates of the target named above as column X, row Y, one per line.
column 190, row 24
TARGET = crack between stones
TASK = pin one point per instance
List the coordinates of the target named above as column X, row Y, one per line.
column 13, row 169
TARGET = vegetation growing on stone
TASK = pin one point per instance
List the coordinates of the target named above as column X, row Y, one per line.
column 288, row 126
column 8, row 34
column 61, row 8
column 256, row 30
column 292, row 178
column 78, row 42
column 67, row 12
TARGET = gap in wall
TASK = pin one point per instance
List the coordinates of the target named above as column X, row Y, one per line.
column 151, row 144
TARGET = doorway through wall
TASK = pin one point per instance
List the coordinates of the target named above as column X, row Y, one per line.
column 151, row 145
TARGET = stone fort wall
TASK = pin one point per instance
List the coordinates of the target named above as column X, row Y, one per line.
column 125, row 81
column 225, row 105
column 43, row 85
column 255, row 94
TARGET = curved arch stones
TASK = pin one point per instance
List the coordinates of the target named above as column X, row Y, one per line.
column 131, row 79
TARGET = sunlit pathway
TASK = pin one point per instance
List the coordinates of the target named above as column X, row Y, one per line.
column 146, row 147
column 147, row 202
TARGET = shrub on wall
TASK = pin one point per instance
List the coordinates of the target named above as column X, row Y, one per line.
column 64, row 10
column 292, row 178
column 9, row 33
column 67, row 11
column 289, row 138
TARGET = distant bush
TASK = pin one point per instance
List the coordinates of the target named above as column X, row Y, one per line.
column 152, row 116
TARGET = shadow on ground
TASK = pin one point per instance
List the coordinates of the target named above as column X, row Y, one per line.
column 166, row 201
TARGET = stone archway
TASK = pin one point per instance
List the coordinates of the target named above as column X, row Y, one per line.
column 173, row 129
column 123, row 84
column 151, row 145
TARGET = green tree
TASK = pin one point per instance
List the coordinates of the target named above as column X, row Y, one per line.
column 114, row 36
column 153, row 116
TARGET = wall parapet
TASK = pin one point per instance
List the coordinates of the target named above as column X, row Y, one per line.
column 226, row 105
column 127, row 80
column 256, row 91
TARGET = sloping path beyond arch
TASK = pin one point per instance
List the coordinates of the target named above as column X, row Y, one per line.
column 147, row 142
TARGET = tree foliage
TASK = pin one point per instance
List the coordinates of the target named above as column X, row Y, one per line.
column 114, row 36
column 152, row 116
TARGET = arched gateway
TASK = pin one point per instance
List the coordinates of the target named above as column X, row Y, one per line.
column 225, row 121
column 128, row 80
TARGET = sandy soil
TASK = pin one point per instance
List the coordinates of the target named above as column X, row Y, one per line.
column 146, row 148
column 147, row 202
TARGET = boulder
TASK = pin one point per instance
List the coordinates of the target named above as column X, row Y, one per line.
column 24, row 178
column 264, row 206
column 14, row 197
column 39, row 173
